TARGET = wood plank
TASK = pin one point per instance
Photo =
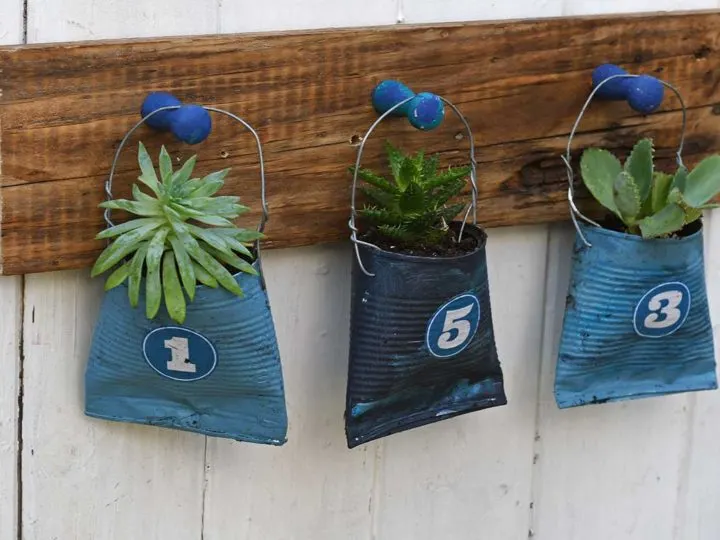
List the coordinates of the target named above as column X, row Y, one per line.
column 65, row 107
column 86, row 478
column 312, row 487
column 604, row 471
column 474, row 473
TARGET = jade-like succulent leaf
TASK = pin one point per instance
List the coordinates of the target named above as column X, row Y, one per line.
column 600, row 169
column 640, row 166
column 703, row 182
column 669, row 220
column 626, row 197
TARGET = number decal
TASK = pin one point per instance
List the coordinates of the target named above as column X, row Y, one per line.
column 453, row 326
column 179, row 354
column 662, row 310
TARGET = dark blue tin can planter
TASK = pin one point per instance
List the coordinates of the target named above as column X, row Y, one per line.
column 422, row 347
column 637, row 322
column 219, row 373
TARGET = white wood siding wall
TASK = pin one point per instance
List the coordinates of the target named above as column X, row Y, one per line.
column 646, row 470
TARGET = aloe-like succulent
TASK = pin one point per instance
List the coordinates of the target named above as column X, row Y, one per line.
column 164, row 248
column 650, row 203
column 413, row 208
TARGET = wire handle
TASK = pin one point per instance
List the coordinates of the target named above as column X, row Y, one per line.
column 612, row 93
column 108, row 184
column 388, row 110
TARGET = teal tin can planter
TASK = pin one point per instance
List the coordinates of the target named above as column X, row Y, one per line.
column 422, row 347
column 219, row 373
column 637, row 322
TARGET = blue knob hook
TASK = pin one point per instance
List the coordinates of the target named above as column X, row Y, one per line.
column 643, row 93
column 425, row 111
column 189, row 123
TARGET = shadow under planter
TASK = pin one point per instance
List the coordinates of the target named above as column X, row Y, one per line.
column 218, row 374
column 422, row 347
column 637, row 322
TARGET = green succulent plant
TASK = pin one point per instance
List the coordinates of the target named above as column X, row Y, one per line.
column 650, row 203
column 183, row 235
column 414, row 208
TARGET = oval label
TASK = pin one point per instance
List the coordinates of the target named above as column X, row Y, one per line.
column 179, row 354
column 453, row 326
column 662, row 310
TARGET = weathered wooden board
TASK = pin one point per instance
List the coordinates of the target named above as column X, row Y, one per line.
column 65, row 107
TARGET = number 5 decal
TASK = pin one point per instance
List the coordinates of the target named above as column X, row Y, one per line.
column 662, row 310
column 453, row 326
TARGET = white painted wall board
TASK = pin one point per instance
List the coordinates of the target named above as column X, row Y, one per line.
column 275, row 15
column 593, row 7
column 86, row 478
column 603, row 471
column 428, row 11
column 313, row 487
column 473, row 473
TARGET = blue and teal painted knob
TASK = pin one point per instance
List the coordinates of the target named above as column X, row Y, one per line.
column 189, row 123
column 644, row 94
column 424, row 111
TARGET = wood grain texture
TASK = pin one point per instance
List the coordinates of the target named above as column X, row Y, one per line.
column 64, row 109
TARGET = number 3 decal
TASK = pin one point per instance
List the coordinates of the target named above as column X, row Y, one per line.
column 662, row 310
column 453, row 326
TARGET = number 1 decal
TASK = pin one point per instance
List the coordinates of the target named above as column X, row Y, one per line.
column 453, row 326
column 179, row 353
column 662, row 310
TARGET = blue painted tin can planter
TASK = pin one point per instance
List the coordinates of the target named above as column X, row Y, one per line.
column 422, row 347
column 637, row 322
column 218, row 374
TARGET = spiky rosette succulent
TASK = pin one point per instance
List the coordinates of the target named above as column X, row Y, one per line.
column 650, row 203
column 414, row 208
column 183, row 236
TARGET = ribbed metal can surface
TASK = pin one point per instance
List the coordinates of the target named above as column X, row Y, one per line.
column 218, row 374
column 637, row 322
column 422, row 346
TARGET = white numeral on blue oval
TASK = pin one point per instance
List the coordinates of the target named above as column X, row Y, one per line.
column 662, row 310
column 453, row 326
column 180, row 355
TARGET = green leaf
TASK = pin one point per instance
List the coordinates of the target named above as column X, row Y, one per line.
column 128, row 226
column 599, row 170
column 207, row 236
column 153, row 291
column 692, row 214
column 232, row 260
column 429, row 167
column 395, row 160
column 236, row 245
column 668, row 220
column 203, row 276
column 660, row 191
column 135, row 277
column 118, row 277
column 407, row 175
column 166, row 169
column 626, row 196
column 156, row 248
column 381, row 216
column 188, row 187
column 145, row 208
column 215, row 221
column 187, row 273
column 449, row 177
column 374, row 180
column 394, row 232
column 120, row 247
column 451, row 212
column 210, row 184
column 183, row 175
column 244, row 235
column 216, row 270
column 140, row 196
column 148, row 177
column 174, row 298
column 680, row 179
column 378, row 196
column 703, row 182
column 413, row 199
column 640, row 166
